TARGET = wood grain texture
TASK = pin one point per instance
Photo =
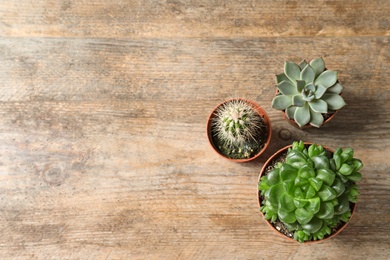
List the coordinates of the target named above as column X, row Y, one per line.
column 103, row 150
column 204, row 18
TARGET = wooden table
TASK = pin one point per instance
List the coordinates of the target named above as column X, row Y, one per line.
column 103, row 150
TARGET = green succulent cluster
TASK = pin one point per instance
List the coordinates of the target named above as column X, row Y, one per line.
column 307, row 91
column 236, row 128
column 310, row 192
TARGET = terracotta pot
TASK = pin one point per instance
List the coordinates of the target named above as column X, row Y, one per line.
column 259, row 110
column 263, row 169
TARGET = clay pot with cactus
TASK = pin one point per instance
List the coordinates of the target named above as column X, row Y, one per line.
column 308, row 192
column 239, row 130
column 308, row 93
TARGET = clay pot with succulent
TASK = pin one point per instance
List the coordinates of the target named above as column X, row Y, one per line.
column 308, row 93
column 308, row 192
column 239, row 130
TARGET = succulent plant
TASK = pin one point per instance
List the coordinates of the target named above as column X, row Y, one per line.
column 308, row 91
column 236, row 128
column 311, row 191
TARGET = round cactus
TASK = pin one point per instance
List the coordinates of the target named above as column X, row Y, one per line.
column 237, row 126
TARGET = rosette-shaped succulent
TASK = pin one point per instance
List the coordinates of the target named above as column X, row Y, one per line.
column 308, row 91
column 311, row 191
column 237, row 126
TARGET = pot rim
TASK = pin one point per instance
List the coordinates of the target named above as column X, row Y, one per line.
column 260, row 110
column 276, row 154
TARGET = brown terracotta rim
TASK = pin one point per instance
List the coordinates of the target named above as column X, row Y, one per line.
column 275, row 155
column 259, row 110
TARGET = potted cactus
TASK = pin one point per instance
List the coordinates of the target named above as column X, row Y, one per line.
column 308, row 93
column 239, row 130
column 308, row 192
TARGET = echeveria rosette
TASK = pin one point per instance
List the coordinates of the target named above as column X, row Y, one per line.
column 311, row 191
column 307, row 91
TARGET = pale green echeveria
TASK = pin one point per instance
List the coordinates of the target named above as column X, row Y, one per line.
column 307, row 91
column 311, row 190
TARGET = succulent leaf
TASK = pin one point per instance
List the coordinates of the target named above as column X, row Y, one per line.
column 303, row 64
column 310, row 87
column 274, row 193
column 316, row 183
column 346, row 155
column 321, row 162
column 343, row 205
column 296, row 159
column 263, row 184
column 319, row 91
column 301, row 236
column 306, row 172
column 316, row 118
column 326, row 193
column 326, row 175
column 300, row 202
column 318, row 65
column 303, row 215
column 287, row 88
column 289, row 187
column 308, row 74
column 302, row 115
column 326, row 211
column 313, row 205
column 301, row 183
column 299, row 146
column 286, row 203
column 300, row 85
column 336, row 89
column 287, row 172
column 338, row 186
column 287, row 217
column 297, row 100
column 298, row 194
column 352, row 193
column 335, row 102
column 327, row 78
column 290, row 111
column 357, row 164
column 315, row 150
column 310, row 192
column 355, row 176
column 281, row 102
column 313, row 226
column 292, row 71
column 318, row 106
column 337, row 160
column 345, row 169
column 281, row 77
column 273, row 177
